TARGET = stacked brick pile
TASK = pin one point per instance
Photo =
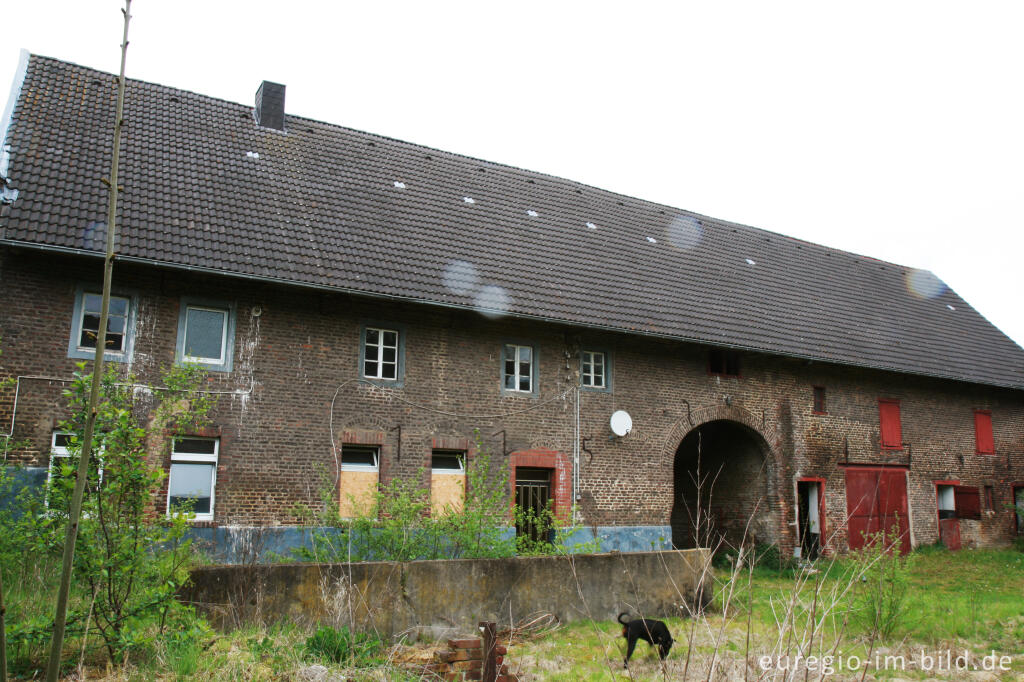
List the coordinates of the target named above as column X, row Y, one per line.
column 466, row 659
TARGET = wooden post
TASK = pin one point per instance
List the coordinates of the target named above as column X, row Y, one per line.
column 3, row 633
column 490, row 641
column 74, row 513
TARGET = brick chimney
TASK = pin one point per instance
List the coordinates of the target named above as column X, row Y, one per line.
column 270, row 105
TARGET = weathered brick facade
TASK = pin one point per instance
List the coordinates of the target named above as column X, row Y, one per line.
column 297, row 355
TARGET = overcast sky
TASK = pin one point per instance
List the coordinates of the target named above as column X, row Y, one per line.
column 890, row 129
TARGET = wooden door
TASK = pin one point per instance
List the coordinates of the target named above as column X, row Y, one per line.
column 949, row 533
column 876, row 501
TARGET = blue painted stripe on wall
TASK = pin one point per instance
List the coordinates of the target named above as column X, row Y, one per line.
column 226, row 544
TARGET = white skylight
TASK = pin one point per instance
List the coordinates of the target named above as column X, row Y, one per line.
column 252, row 155
column 652, row 240
column 399, row 184
column 469, row 200
column 531, row 213
column 592, row 226
column 950, row 307
column 750, row 261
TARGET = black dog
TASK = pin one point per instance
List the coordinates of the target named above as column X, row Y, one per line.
column 654, row 632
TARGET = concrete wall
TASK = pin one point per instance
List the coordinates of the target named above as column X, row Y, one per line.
column 296, row 354
column 442, row 598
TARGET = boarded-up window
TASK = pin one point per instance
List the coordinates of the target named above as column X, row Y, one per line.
column 889, row 419
column 360, row 473
column 983, row 433
column 447, row 481
column 968, row 502
column 819, row 400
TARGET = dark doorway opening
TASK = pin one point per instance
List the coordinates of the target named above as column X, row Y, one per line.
column 721, row 488
column 810, row 502
column 533, row 496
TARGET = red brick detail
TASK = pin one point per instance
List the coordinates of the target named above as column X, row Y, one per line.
column 448, row 443
column 561, row 475
column 362, row 437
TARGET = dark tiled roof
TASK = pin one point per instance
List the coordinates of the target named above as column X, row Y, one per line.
column 320, row 206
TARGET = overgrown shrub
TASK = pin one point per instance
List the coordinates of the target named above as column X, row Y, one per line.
column 129, row 559
column 881, row 574
column 553, row 536
column 398, row 524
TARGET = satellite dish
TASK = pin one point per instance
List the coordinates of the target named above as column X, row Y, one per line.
column 621, row 423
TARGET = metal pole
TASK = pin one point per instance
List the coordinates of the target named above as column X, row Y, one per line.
column 74, row 514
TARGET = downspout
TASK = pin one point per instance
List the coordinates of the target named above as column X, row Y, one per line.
column 576, row 459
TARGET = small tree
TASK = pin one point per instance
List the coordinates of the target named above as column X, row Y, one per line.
column 130, row 559
column 881, row 575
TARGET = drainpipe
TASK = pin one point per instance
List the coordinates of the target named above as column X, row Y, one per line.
column 576, row 457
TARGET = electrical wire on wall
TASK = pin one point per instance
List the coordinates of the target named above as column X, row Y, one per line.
column 17, row 390
column 457, row 415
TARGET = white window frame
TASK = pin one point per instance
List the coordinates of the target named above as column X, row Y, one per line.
column 375, row 467
column 584, row 375
column 58, row 452
column 945, row 499
column 379, row 353
column 459, row 454
column 227, row 337
column 222, row 358
column 516, row 350
column 196, row 458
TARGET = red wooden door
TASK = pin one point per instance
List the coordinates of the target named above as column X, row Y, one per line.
column 861, row 502
column 876, row 501
column 949, row 533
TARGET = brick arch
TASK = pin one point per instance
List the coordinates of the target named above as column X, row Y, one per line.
column 711, row 413
column 352, row 421
column 734, row 514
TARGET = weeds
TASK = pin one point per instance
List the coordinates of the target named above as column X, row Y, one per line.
column 340, row 645
column 881, row 576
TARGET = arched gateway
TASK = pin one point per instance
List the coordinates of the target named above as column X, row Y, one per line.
column 725, row 487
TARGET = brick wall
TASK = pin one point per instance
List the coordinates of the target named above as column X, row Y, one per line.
column 297, row 354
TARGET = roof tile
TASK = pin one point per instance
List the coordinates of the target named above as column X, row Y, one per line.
column 320, row 207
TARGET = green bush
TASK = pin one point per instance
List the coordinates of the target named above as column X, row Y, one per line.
column 334, row 645
column 882, row 578
column 399, row 525
column 129, row 562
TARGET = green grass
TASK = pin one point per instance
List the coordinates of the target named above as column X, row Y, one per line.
column 970, row 600
column 955, row 600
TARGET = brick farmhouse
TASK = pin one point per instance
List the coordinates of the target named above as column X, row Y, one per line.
column 379, row 310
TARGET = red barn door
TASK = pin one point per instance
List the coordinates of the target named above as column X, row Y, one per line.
column 876, row 500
